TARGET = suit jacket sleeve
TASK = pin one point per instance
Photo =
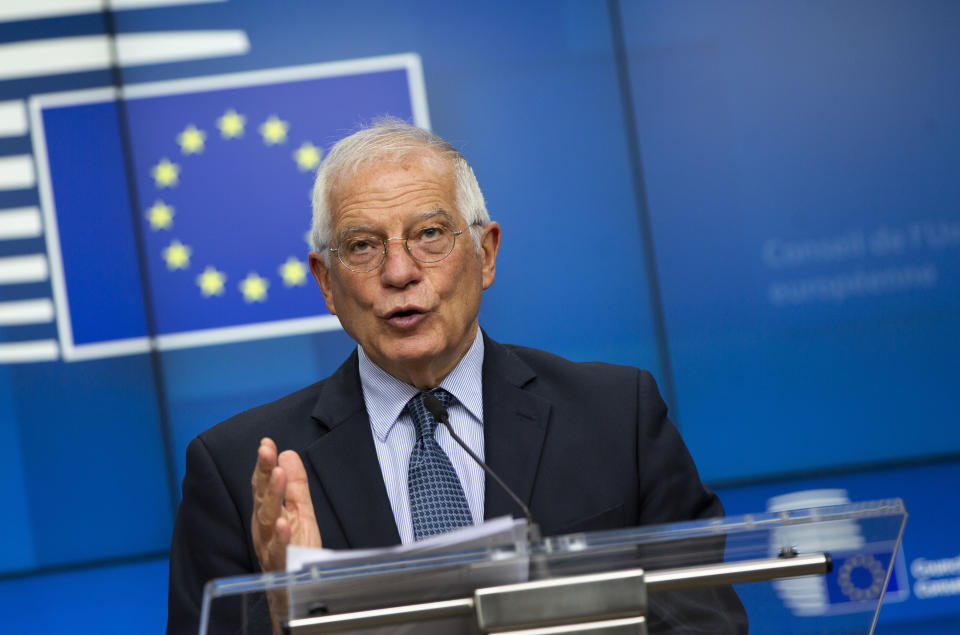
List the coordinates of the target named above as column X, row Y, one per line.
column 670, row 487
column 671, row 491
column 210, row 540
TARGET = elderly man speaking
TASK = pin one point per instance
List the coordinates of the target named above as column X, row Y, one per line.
column 404, row 248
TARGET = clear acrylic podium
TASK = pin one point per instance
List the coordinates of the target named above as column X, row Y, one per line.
column 817, row 570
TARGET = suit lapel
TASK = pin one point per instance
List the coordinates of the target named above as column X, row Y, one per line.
column 515, row 425
column 345, row 460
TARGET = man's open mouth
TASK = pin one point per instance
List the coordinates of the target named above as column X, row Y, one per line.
column 403, row 313
column 405, row 317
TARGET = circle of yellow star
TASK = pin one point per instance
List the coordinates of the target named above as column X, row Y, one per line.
column 191, row 140
column 160, row 216
column 211, row 282
column 165, row 173
column 293, row 272
column 231, row 124
column 177, row 255
column 274, row 130
column 307, row 156
column 254, row 288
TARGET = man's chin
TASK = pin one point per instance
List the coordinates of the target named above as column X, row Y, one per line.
column 412, row 358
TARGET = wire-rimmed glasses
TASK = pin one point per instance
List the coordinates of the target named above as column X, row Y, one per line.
column 362, row 253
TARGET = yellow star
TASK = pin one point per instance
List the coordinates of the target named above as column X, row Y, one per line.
column 231, row 124
column 254, row 288
column 274, row 130
column 307, row 156
column 160, row 216
column 165, row 174
column 293, row 272
column 191, row 140
column 177, row 255
column 211, row 282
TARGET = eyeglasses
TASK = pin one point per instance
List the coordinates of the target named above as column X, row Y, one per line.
column 426, row 244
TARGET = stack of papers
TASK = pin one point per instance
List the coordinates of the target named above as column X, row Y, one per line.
column 498, row 531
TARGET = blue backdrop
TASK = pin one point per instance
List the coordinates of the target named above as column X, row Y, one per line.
column 756, row 200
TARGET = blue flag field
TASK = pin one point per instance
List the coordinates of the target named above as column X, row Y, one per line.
column 222, row 169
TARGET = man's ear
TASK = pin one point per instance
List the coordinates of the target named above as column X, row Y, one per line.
column 490, row 246
column 321, row 272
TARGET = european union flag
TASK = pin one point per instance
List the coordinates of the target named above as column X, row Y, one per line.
column 858, row 580
column 223, row 168
column 855, row 584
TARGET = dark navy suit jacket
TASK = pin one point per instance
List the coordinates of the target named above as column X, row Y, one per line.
column 587, row 446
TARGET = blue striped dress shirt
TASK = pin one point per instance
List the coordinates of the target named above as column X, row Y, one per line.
column 386, row 398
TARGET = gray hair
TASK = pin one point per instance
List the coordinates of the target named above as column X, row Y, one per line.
column 390, row 139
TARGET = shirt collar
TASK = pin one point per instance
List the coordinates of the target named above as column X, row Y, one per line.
column 386, row 396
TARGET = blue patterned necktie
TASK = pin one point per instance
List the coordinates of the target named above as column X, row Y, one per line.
column 437, row 501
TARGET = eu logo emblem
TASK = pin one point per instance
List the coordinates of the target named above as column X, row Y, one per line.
column 220, row 171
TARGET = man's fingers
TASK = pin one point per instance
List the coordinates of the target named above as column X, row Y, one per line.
column 268, row 482
column 268, row 503
column 282, row 508
column 271, row 528
column 297, row 492
column 282, row 535
column 303, row 529
column 278, row 546
column 266, row 461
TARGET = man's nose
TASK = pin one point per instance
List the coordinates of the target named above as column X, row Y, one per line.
column 399, row 267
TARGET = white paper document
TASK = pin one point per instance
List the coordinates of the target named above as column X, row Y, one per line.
column 498, row 531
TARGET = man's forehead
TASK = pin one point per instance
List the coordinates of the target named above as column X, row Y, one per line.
column 412, row 186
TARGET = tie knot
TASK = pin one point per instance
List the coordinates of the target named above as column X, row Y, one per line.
column 424, row 422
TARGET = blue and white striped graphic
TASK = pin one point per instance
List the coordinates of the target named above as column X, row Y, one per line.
column 27, row 313
column 222, row 172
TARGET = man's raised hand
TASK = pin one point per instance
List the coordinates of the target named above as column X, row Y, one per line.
column 282, row 510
